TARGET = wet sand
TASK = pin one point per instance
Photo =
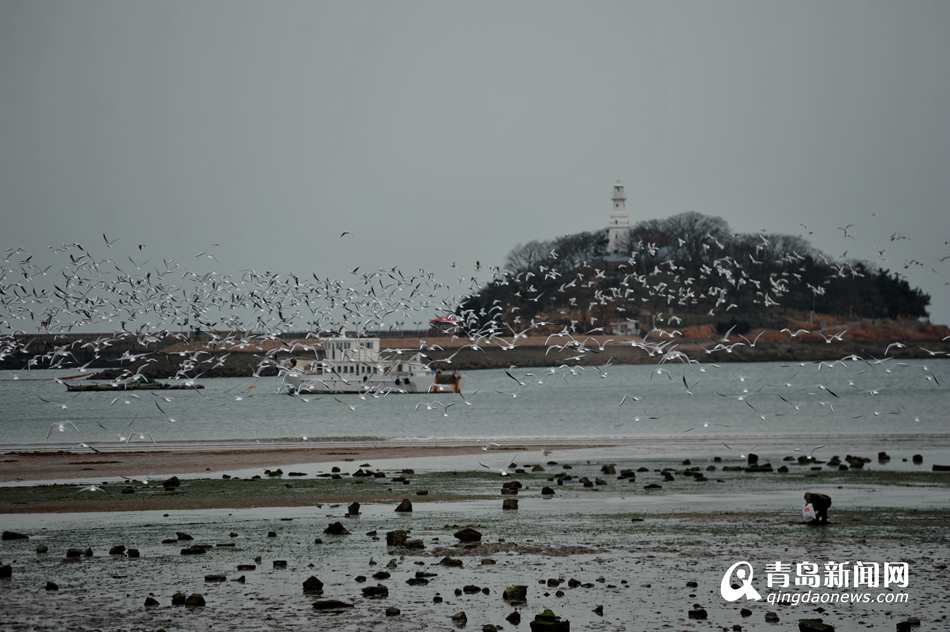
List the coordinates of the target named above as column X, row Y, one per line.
column 610, row 556
column 49, row 466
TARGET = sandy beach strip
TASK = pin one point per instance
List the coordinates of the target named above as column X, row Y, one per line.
column 46, row 466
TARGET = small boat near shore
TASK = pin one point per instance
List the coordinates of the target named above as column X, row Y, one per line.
column 357, row 365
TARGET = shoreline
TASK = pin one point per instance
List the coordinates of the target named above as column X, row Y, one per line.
column 61, row 465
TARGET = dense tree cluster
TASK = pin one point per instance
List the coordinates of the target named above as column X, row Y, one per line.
column 691, row 266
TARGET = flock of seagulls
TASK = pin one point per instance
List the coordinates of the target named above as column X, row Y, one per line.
column 52, row 315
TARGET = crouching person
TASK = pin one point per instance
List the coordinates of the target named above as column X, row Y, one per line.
column 820, row 503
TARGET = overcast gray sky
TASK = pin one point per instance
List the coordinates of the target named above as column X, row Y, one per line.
column 440, row 131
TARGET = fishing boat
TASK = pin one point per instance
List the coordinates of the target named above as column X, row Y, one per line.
column 357, row 365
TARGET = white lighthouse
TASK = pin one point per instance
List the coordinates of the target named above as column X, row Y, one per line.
column 618, row 229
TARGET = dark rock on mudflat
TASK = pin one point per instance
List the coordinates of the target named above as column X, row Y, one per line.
column 814, row 625
column 52, row 586
column 393, row 611
column 197, row 549
column 331, row 604
column 405, row 506
column 471, row 589
column 353, row 509
column 247, row 567
column 917, row 459
column 514, row 618
column 547, row 621
column 468, row 534
column 133, row 553
column 280, row 563
column 599, row 611
column 771, row 617
column 940, row 468
column 745, row 612
column 509, row 504
column 118, row 549
column 460, row 618
column 653, row 486
column 313, row 586
column 417, row 581
column 216, row 577
column 178, row 599
column 397, row 537
column 183, row 537
column 547, row 491
column 908, row 624
column 73, row 554
column 13, row 535
column 698, row 613
column 171, row 483
column 151, row 602
column 516, row 594
column 376, row 592
column 195, row 600
column 42, row 549
column 6, row 571
column 336, row 528
column 451, row 562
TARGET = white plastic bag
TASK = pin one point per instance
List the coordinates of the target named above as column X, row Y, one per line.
column 808, row 513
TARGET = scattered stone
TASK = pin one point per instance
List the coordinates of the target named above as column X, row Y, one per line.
column 460, row 618
column 247, row 567
column 353, row 509
column 516, row 594
column 698, row 613
column 907, row 624
column 817, row 625
column 195, row 600
column 73, row 554
column 771, row 617
column 752, row 459
column 917, row 459
column 183, row 537
column 471, row 589
column 405, row 506
column 196, row 549
column 336, row 528
column 178, row 599
column 271, row 534
column 13, row 535
column 6, row 571
column 547, row 621
column 133, row 554
column 312, row 586
column 547, row 491
column 745, row 612
column 118, row 549
column 653, row 486
column 381, row 575
column 52, row 586
column 171, row 483
column 514, row 618
column 376, row 592
column 451, row 562
column 331, row 604
column 216, row 577
column 599, row 611
column 393, row 611
column 397, row 538
column 280, row 564
column 509, row 504
column 151, row 602
column 468, row 534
